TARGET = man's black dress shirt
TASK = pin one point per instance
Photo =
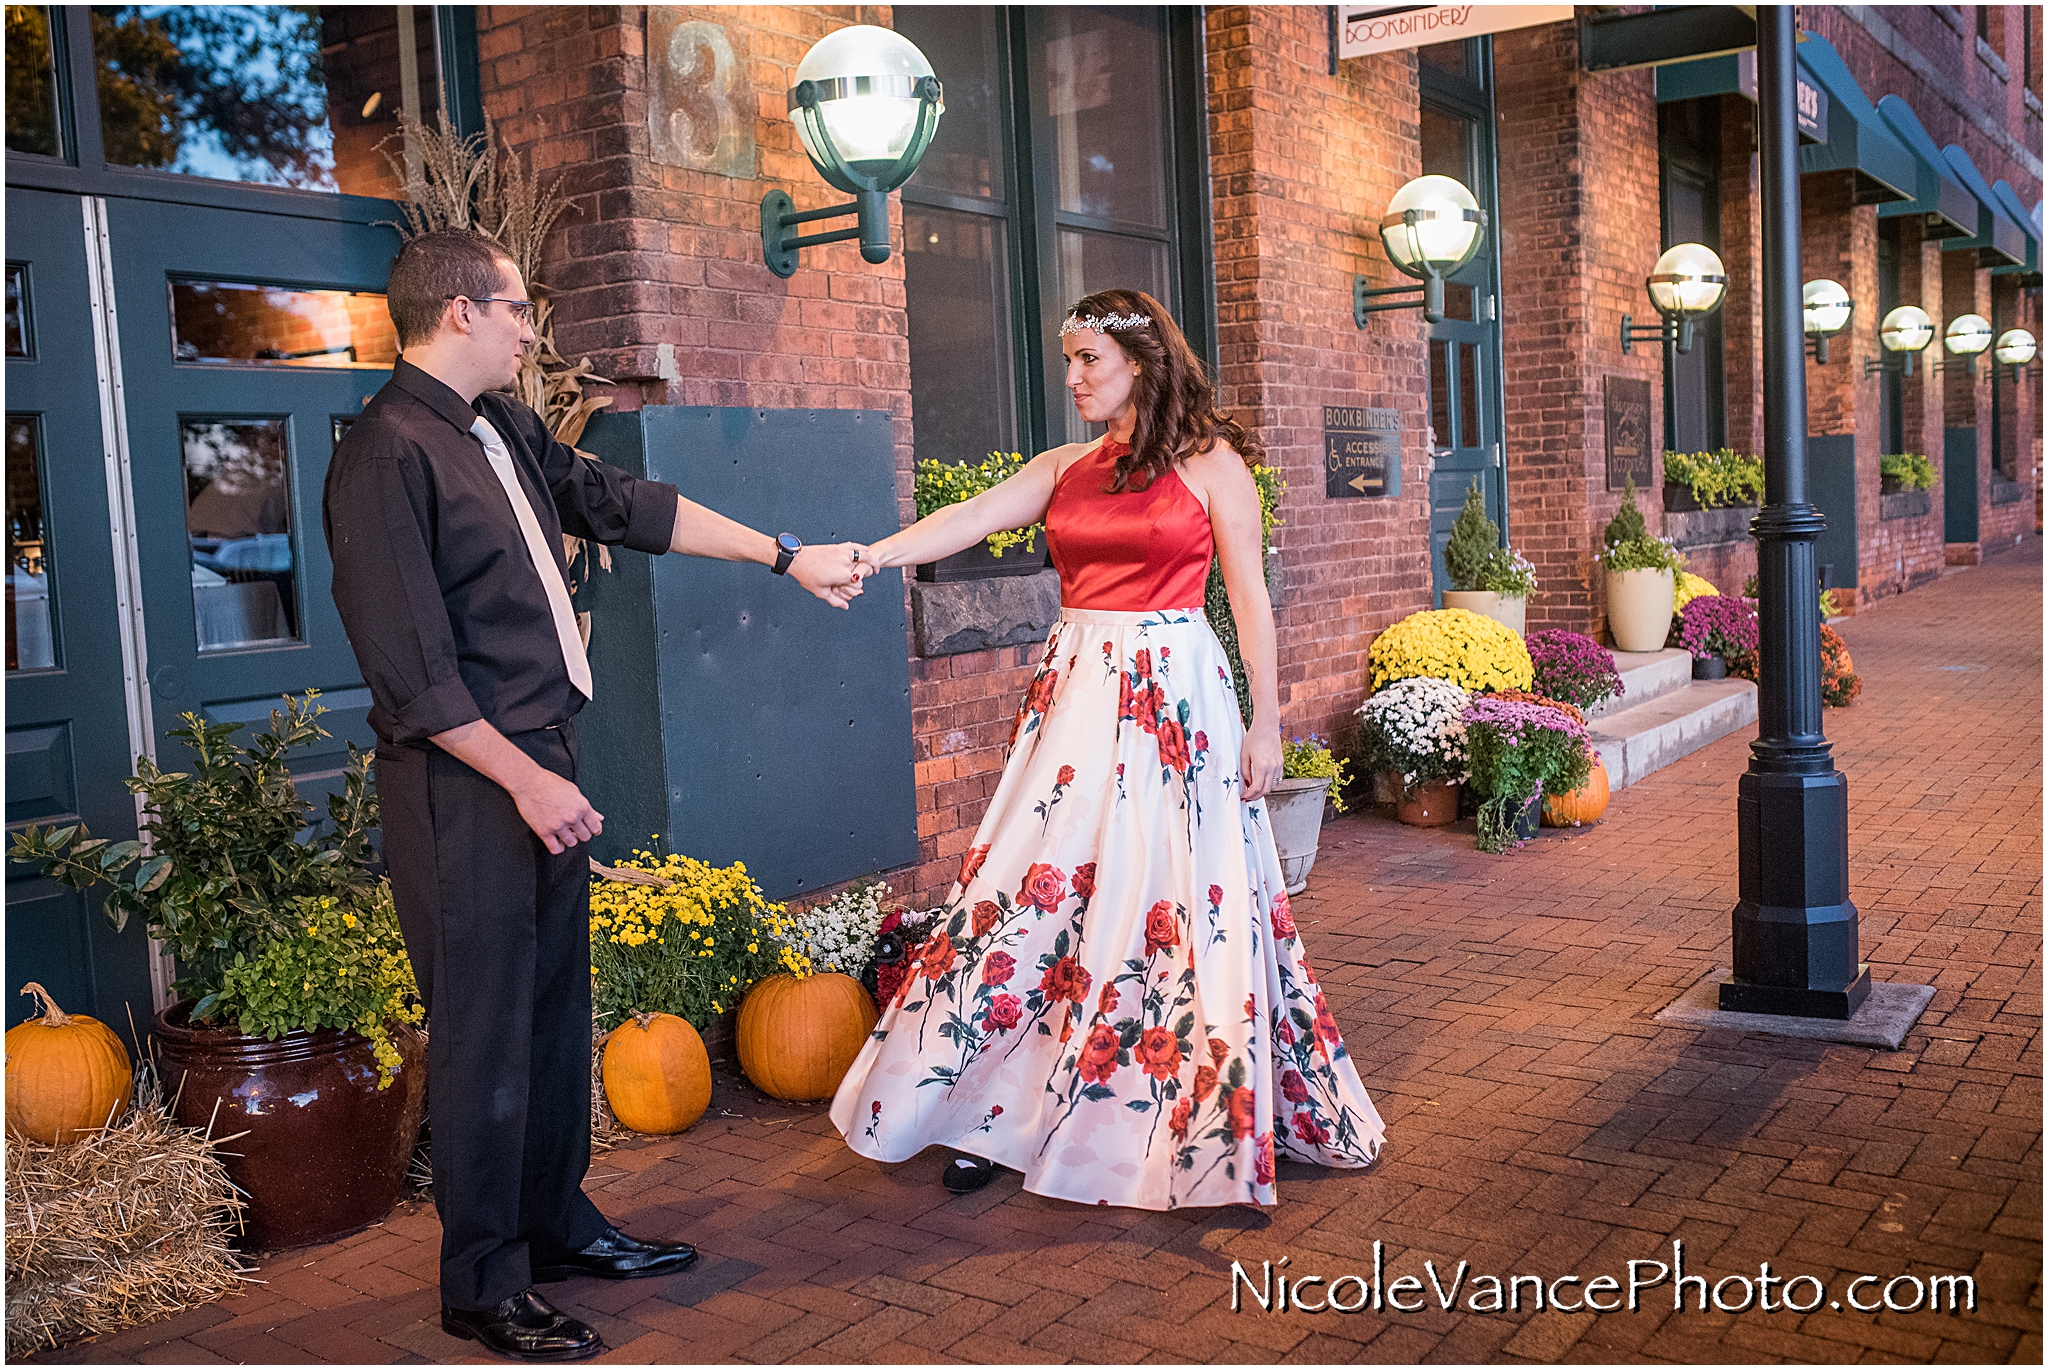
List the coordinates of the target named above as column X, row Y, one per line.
column 441, row 600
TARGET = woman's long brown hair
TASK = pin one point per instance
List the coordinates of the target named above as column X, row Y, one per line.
column 1176, row 403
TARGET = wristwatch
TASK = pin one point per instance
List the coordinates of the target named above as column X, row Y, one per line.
column 787, row 545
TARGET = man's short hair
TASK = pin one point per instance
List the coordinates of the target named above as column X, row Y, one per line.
column 433, row 268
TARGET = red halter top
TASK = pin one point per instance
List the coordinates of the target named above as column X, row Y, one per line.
column 1127, row 552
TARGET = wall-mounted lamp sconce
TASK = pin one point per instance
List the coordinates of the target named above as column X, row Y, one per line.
column 1687, row 284
column 2014, row 349
column 1825, row 311
column 1432, row 227
column 865, row 106
column 1906, row 330
column 1967, row 337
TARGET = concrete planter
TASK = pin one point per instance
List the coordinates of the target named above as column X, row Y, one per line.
column 1294, row 808
column 1639, row 609
column 1512, row 610
column 1905, row 504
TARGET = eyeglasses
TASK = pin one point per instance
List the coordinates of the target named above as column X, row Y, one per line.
column 522, row 310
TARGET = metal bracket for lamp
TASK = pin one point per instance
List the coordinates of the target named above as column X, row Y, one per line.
column 1873, row 366
column 1817, row 347
column 1673, row 333
column 1965, row 363
column 1366, row 299
column 870, row 206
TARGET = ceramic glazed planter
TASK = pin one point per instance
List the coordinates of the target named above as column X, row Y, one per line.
column 1294, row 809
column 1639, row 609
column 1709, row 668
column 979, row 563
column 1511, row 610
column 1432, row 805
column 325, row 1150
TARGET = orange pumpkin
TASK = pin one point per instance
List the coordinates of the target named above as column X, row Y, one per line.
column 657, row 1075
column 1581, row 806
column 66, row 1074
column 797, row 1038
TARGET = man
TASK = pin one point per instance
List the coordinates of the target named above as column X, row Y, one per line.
column 444, row 512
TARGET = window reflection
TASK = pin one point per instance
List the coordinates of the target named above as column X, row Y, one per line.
column 31, row 83
column 1103, row 72
column 956, row 281
column 231, row 321
column 286, row 95
column 966, row 155
column 1091, row 262
column 20, row 341
column 238, row 515
column 31, row 645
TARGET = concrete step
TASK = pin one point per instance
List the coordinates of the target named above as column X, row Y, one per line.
column 1644, row 677
column 1646, row 736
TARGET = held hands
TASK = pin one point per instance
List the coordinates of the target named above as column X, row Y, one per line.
column 557, row 811
column 833, row 572
column 1260, row 764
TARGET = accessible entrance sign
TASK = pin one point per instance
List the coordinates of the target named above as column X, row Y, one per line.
column 1389, row 28
column 1361, row 452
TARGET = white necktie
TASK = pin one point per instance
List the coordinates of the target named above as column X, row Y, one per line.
column 544, row 563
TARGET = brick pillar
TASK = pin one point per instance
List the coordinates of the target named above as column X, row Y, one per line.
column 1579, row 231
column 1920, row 284
column 1302, row 163
column 1742, row 308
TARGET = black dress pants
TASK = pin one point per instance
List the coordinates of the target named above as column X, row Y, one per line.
column 498, row 930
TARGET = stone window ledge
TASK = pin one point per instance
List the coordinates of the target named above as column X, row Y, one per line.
column 1906, row 504
column 951, row 617
column 1988, row 55
column 2005, row 491
column 1707, row 527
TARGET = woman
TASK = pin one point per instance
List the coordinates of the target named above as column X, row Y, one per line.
column 1117, row 1003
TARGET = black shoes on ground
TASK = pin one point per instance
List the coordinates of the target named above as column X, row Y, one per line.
column 616, row 1256
column 525, row 1327
column 965, row 1174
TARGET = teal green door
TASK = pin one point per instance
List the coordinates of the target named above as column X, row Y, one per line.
column 67, row 718
column 248, row 342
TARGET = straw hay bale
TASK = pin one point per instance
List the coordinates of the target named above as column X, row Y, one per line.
column 126, row 1225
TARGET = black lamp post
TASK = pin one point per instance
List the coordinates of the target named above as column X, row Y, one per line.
column 1795, row 928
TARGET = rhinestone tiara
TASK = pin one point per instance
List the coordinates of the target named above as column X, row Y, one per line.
column 1102, row 323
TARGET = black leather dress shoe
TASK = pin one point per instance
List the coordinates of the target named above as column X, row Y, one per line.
column 524, row 1327
column 616, row 1256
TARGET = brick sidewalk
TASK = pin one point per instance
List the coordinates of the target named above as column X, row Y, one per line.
column 1540, row 1122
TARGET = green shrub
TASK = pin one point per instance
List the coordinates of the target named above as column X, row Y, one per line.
column 1474, row 539
column 940, row 483
column 1629, row 545
column 1717, row 479
column 1910, row 469
column 1306, row 758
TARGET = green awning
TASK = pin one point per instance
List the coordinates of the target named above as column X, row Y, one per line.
column 1858, row 140
column 1734, row 73
column 2030, row 270
column 1950, row 210
column 1999, row 241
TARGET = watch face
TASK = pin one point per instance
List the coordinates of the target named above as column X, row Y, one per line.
column 790, row 543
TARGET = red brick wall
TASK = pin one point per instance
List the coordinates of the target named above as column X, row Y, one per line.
column 1580, row 227
column 1301, row 163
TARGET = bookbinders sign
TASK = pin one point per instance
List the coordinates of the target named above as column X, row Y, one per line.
column 1628, row 431
column 1388, row 28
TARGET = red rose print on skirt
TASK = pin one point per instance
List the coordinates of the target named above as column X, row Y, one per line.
column 986, row 915
column 1309, row 1130
column 1066, row 978
column 1098, row 1054
column 1043, row 888
column 997, row 968
column 970, row 864
column 1084, row 880
column 937, row 955
column 1003, row 1013
column 1162, row 929
column 1327, row 1035
column 1293, row 1088
column 1205, row 1083
column 1173, row 746
column 1264, row 1164
column 1158, row 1051
column 1283, row 915
column 1182, row 1111
column 1242, row 1102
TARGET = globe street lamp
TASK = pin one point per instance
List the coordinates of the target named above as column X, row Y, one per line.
column 1825, row 311
column 1687, row 284
column 2015, row 348
column 865, row 106
column 1431, row 228
column 1967, row 337
column 1906, row 330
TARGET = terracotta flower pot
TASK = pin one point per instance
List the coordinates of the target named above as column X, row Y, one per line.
column 326, row 1150
column 1432, row 805
column 1639, row 609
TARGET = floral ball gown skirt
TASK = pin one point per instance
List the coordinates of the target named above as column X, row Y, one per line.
column 1117, row 1003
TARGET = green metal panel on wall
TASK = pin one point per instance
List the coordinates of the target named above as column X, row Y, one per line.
column 1959, row 484
column 736, row 715
column 1831, row 481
